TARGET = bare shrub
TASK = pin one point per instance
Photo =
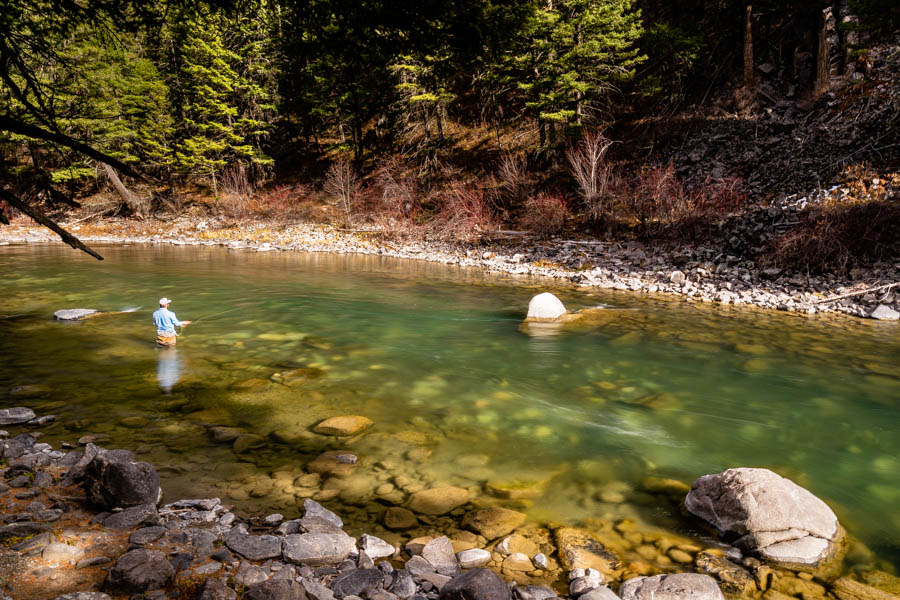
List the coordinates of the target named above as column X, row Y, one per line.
column 237, row 190
column 661, row 203
column 342, row 183
column 545, row 214
column 464, row 214
column 838, row 236
column 397, row 210
column 592, row 171
column 514, row 182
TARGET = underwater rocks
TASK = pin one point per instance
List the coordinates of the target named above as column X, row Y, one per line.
column 438, row 501
column 493, row 522
column 578, row 549
column 770, row 516
column 342, row 426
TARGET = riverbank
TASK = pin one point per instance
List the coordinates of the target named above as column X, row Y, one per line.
column 82, row 522
column 694, row 273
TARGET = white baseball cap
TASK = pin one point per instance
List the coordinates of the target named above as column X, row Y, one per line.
column 164, row 301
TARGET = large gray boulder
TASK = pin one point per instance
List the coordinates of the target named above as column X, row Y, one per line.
column 678, row 586
column 545, row 307
column 73, row 314
column 318, row 519
column 16, row 415
column 138, row 571
column 477, row 584
column 253, row 547
column 317, row 549
column 114, row 478
column 767, row 515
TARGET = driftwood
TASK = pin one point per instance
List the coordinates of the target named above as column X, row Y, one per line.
column 41, row 218
column 127, row 197
column 859, row 293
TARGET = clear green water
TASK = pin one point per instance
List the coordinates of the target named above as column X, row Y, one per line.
column 459, row 392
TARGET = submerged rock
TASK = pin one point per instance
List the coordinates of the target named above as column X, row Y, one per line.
column 397, row 518
column 343, row 426
column 545, row 307
column 579, row 549
column 438, row 501
column 339, row 463
column 774, row 517
column 74, row 314
column 494, row 521
column 679, row 586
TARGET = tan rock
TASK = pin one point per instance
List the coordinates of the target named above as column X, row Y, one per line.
column 680, row 556
column 883, row 581
column 246, row 441
column 493, row 522
column 518, row 562
column 337, row 463
column 397, row 518
column 415, row 546
column 343, row 426
column 516, row 489
column 663, row 485
column 517, row 543
column 438, row 501
column 850, row 589
column 580, row 549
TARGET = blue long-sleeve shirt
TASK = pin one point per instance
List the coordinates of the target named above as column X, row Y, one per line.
column 165, row 321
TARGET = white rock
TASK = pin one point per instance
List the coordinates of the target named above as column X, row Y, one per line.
column 679, row 586
column 476, row 557
column 885, row 313
column 375, row 547
column 545, row 306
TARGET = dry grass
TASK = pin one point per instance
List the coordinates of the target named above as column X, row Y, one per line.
column 592, row 171
column 545, row 214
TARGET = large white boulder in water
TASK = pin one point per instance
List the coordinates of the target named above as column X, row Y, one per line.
column 545, row 306
column 770, row 516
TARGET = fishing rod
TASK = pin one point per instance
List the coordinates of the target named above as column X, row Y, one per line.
column 210, row 316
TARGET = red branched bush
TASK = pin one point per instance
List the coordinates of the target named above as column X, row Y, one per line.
column 396, row 208
column 464, row 213
column 545, row 214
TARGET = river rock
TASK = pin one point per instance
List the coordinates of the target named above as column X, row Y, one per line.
column 275, row 589
column 318, row 549
column 142, row 514
column 600, row 593
column 375, row 547
column 397, row 518
column 83, row 596
column 21, row 529
column 402, row 584
column 580, row 549
column 679, row 586
column 16, row 415
column 337, row 463
column 439, row 553
column 318, row 519
column 477, row 584
column 476, row 557
column 850, row 589
column 735, row 579
column 884, row 313
column 138, row 571
column 357, row 582
column 438, row 501
column 214, row 589
column 774, row 517
column 545, row 307
column 115, row 479
column 494, row 521
column 253, row 547
column 343, row 426
column 73, row 314
column 517, row 543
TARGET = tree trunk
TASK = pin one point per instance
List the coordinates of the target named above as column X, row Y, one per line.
column 823, row 56
column 127, row 197
column 749, row 74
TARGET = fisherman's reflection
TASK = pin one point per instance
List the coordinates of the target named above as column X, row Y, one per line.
column 168, row 368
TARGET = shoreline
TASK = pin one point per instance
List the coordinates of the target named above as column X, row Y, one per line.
column 89, row 521
column 692, row 274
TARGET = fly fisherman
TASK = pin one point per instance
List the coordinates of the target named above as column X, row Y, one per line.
column 165, row 321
